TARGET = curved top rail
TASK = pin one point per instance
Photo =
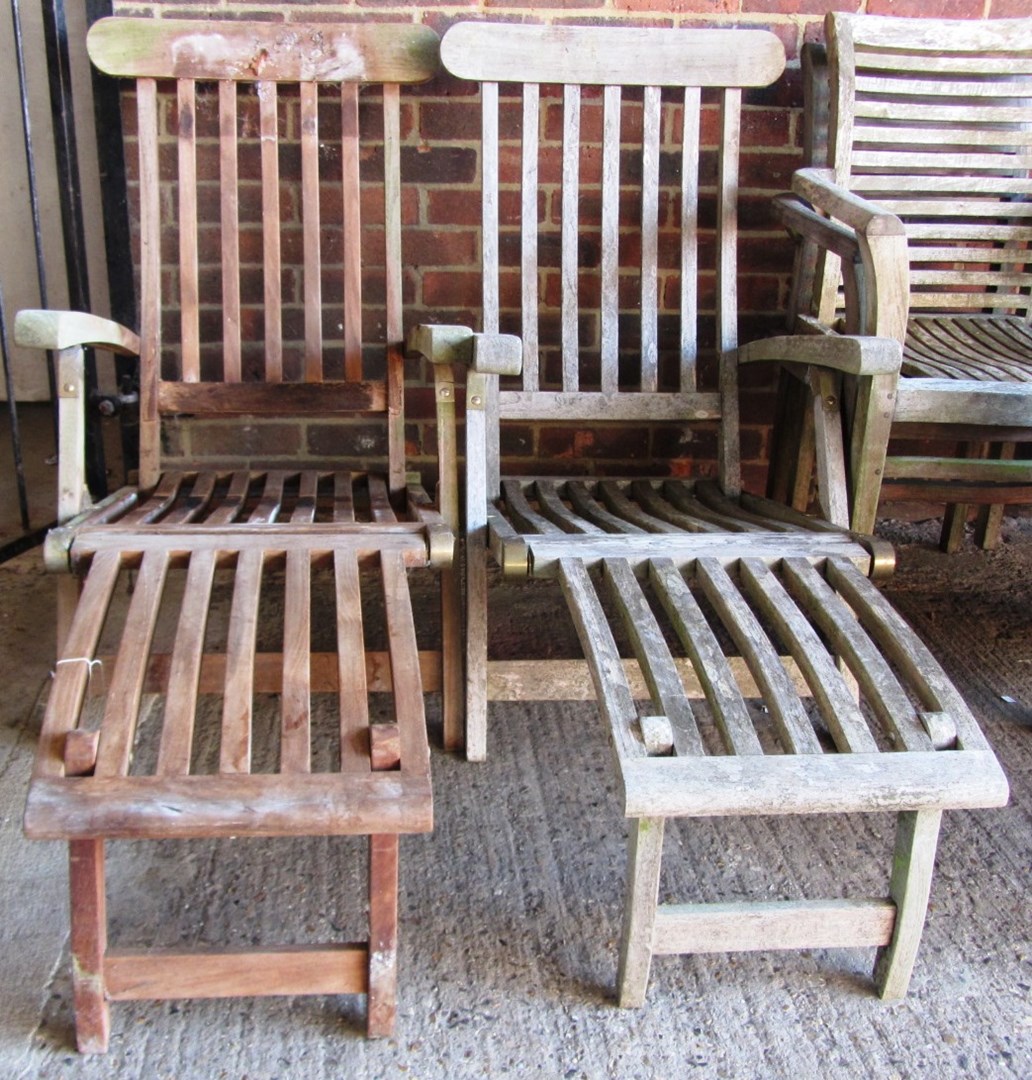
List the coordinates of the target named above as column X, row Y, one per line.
column 612, row 55
column 269, row 52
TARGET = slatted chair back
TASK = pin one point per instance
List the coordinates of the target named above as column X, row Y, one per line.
column 255, row 157
column 935, row 125
column 638, row 246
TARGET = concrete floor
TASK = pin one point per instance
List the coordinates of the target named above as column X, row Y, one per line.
column 511, row 908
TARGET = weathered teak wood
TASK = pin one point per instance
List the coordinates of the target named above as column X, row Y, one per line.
column 725, row 637
column 926, row 123
column 264, row 727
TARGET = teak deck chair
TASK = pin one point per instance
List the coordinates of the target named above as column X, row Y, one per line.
column 921, row 138
column 742, row 627
column 250, row 585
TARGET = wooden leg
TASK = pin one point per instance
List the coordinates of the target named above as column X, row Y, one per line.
column 89, row 943
column 917, row 833
column 383, row 935
column 953, row 522
column 990, row 518
column 645, row 855
column 832, row 483
column 451, row 659
column 869, row 443
column 476, row 647
column 791, row 449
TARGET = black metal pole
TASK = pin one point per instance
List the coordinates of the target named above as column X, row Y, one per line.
column 114, row 195
column 12, row 409
column 55, row 35
column 37, row 228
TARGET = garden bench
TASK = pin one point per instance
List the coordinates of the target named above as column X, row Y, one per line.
column 919, row 188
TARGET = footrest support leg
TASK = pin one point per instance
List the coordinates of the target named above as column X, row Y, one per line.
column 917, row 834
column 645, row 855
column 383, row 935
column 89, row 943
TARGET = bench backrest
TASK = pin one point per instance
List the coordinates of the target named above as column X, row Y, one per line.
column 932, row 119
column 259, row 158
column 583, row 210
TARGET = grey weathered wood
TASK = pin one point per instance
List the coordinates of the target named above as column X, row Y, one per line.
column 917, row 833
column 924, row 140
column 321, row 52
column 676, row 570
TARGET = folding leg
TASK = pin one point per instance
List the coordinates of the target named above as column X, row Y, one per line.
column 89, row 943
column 383, row 934
column 644, row 857
column 917, row 834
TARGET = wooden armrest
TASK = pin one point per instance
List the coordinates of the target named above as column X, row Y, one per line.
column 65, row 329
column 818, row 187
column 486, row 354
column 851, row 355
column 799, row 218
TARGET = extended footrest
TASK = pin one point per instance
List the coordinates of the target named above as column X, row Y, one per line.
column 208, row 706
column 843, row 709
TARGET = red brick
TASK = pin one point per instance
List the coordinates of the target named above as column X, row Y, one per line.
column 800, row 7
column 440, row 247
column 245, row 438
column 928, row 9
column 1008, row 9
column 678, row 7
column 359, row 439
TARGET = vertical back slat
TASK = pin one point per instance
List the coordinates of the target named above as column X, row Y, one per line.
column 311, row 226
column 652, row 104
column 150, row 277
column 392, row 207
column 610, row 313
column 271, row 262
column 188, row 290
column 230, row 220
column 393, row 261
column 690, row 239
column 353, row 230
column 529, row 235
column 489, row 181
column 570, row 237
column 727, row 288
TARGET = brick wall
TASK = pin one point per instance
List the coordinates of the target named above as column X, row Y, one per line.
column 440, row 124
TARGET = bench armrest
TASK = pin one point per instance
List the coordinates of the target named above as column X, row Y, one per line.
column 485, row 354
column 818, row 187
column 850, row 355
column 881, row 294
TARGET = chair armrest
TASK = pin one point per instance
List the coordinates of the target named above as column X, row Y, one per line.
column 486, row 354
column 849, row 355
column 68, row 333
column 819, row 188
column 58, row 330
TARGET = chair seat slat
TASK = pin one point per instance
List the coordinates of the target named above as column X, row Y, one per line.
column 184, row 673
column 711, row 665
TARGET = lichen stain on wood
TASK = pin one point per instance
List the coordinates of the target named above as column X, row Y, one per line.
column 311, row 55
